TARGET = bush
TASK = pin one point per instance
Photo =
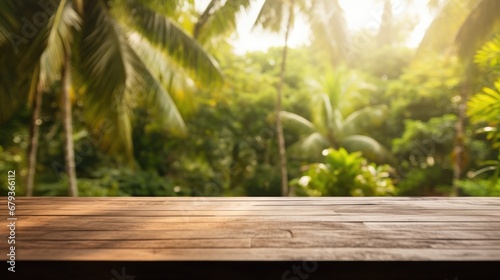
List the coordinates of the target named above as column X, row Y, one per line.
column 479, row 187
column 428, row 181
column 115, row 182
column 345, row 174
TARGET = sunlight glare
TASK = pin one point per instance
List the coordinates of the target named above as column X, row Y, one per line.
column 359, row 14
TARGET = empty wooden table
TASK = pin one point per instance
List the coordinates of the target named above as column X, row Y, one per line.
column 247, row 229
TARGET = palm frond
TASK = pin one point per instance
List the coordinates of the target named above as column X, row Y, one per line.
column 165, row 7
column 41, row 56
column 485, row 106
column 313, row 144
column 114, row 74
column 48, row 47
column 274, row 14
column 158, row 97
column 60, row 30
column 9, row 20
column 13, row 84
column 173, row 77
column 326, row 111
column 330, row 28
column 15, row 79
column 218, row 19
column 489, row 55
column 297, row 123
column 365, row 119
column 106, row 71
column 142, row 79
column 371, row 148
column 179, row 45
column 325, row 116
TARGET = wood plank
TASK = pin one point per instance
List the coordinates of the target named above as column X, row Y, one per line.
column 180, row 207
column 171, row 213
column 283, row 210
column 273, row 198
column 400, row 234
column 225, row 216
column 432, row 226
column 258, row 200
column 265, row 233
column 279, row 207
column 256, row 254
column 136, row 244
column 351, row 200
column 317, row 242
column 148, row 234
column 424, row 211
column 335, row 242
column 256, row 203
column 108, row 223
column 431, row 214
column 426, row 204
column 236, row 198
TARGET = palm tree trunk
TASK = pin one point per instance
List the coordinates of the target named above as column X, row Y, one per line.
column 34, row 136
column 69, row 153
column 459, row 153
column 285, row 191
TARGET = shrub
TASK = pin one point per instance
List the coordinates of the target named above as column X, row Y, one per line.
column 345, row 174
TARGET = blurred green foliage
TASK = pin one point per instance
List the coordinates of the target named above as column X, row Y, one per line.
column 346, row 174
column 230, row 147
column 479, row 188
column 484, row 109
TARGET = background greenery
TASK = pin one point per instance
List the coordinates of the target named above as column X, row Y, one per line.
column 195, row 119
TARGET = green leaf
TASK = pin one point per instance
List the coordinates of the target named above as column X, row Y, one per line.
column 369, row 147
column 218, row 19
column 489, row 55
column 179, row 45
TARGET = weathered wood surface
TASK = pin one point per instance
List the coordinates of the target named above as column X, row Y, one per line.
column 285, row 229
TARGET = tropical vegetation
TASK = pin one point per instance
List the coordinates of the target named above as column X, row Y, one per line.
column 149, row 98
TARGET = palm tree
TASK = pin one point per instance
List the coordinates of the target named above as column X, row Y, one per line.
column 117, row 52
column 328, row 128
column 471, row 23
column 325, row 17
column 11, row 46
column 272, row 15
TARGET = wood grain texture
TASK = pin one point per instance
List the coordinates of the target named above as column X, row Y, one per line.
column 242, row 228
column 259, row 254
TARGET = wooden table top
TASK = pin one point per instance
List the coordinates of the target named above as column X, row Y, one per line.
column 285, row 229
